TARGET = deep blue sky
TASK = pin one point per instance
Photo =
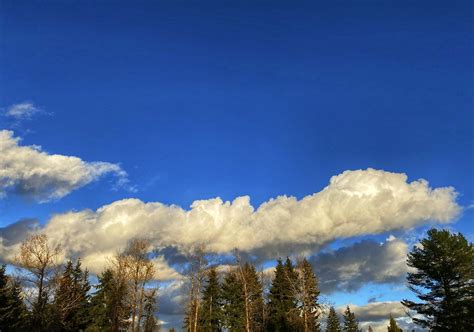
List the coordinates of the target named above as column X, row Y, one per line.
column 226, row 98
column 229, row 98
column 261, row 98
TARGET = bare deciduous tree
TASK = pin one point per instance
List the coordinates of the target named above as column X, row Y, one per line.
column 40, row 259
column 138, row 269
column 196, row 275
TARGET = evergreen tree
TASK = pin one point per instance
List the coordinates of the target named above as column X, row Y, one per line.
column 233, row 303
column 350, row 321
column 242, row 297
column 443, row 281
column 393, row 327
column 71, row 303
column 211, row 310
column 282, row 302
column 82, row 316
column 108, row 304
column 13, row 312
column 308, row 292
column 332, row 323
column 252, row 291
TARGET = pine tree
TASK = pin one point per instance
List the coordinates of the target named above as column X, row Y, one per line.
column 64, row 300
column 443, row 281
column 282, row 302
column 83, row 287
column 72, row 300
column 211, row 313
column 233, row 303
column 393, row 327
column 109, row 309
column 307, row 292
column 332, row 323
column 252, row 291
column 242, row 297
column 350, row 322
column 13, row 312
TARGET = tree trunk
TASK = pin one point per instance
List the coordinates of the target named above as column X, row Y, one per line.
column 134, row 303
column 246, row 300
column 140, row 306
column 196, row 316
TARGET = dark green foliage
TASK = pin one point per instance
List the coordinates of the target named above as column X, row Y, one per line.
column 350, row 321
column 41, row 313
column 211, row 307
column 254, row 296
column 332, row 323
column 242, row 292
column 282, row 303
column 71, row 303
column 233, row 303
column 13, row 313
column 308, row 293
column 443, row 281
column 108, row 306
column 393, row 327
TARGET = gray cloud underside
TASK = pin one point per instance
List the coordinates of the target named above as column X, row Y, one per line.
column 377, row 315
column 348, row 268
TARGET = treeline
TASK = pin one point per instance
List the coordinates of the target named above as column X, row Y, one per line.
column 238, row 299
column 49, row 296
column 60, row 298
column 441, row 276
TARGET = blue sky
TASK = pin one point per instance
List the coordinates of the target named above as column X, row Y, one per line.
column 196, row 100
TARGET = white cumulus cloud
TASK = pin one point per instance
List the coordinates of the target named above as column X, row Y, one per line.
column 29, row 171
column 354, row 203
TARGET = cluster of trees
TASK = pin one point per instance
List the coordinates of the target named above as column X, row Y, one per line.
column 48, row 296
column 241, row 300
column 59, row 297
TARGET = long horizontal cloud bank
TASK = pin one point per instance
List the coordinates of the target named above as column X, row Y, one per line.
column 28, row 171
column 354, row 203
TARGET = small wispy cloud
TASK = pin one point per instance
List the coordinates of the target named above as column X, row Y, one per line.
column 22, row 111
